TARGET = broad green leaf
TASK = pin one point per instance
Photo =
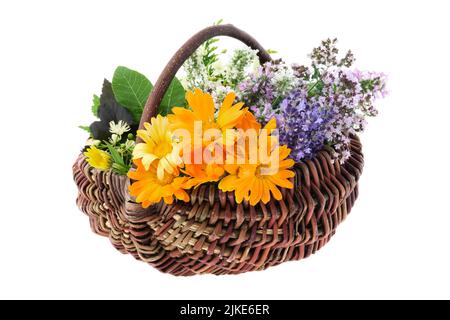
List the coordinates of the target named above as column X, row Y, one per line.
column 174, row 97
column 95, row 104
column 131, row 90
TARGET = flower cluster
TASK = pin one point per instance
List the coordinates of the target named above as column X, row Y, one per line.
column 114, row 153
column 315, row 106
column 175, row 155
column 264, row 90
column 348, row 97
column 286, row 114
column 204, row 69
column 111, row 141
column 304, row 125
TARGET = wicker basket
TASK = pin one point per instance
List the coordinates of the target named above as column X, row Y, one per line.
column 212, row 233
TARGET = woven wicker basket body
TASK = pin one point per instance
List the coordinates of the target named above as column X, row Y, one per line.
column 212, row 233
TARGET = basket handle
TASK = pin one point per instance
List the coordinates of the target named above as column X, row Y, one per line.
column 186, row 50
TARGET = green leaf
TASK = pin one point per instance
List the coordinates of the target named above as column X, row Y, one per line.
column 316, row 73
column 174, row 97
column 120, row 169
column 95, row 104
column 367, row 85
column 118, row 165
column 315, row 89
column 85, row 128
column 131, row 90
column 117, row 158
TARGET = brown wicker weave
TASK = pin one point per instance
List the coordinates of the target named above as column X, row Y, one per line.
column 212, row 233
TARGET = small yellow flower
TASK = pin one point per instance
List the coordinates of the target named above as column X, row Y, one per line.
column 97, row 158
column 149, row 189
column 158, row 145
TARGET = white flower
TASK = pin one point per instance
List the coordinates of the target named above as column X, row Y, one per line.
column 218, row 68
column 129, row 145
column 115, row 138
column 92, row 142
column 119, row 128
column 255, row 65
column 284, row 80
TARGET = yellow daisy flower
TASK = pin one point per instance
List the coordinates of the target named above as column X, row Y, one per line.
column 149, row 189
column 158, row 145
column 97, row 158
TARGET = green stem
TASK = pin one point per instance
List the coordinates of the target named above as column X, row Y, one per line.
column 276, row 101
column 314, row 85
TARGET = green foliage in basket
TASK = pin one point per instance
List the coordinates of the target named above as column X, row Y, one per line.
column 118, row 110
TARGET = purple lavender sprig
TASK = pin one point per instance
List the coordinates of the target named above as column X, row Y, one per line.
column 303, row 125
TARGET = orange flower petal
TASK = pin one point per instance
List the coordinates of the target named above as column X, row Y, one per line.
column 266, row 191
column 256, row 192
column 228, row 183
column 227, row 102
column 275, row 191
column 280, row 182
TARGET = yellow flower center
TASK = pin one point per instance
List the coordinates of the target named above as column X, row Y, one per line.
column 265, row 170
column 162, row 149
column 259, row 171
column 168, row 179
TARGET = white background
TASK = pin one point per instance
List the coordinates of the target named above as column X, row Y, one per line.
column 54, row 56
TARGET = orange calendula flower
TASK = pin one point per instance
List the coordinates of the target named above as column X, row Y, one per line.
column 149, row 190
column 248, row 121
column 203, row 110
column 256, row 182
column 204, row 172
column 158, row 145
